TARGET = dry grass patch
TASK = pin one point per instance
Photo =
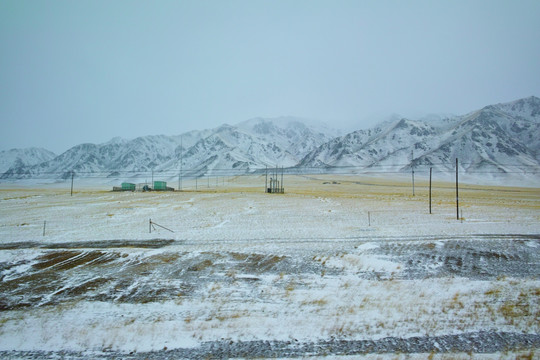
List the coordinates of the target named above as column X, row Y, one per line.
column 201, row 265
column 524, row 307
column 318, row 302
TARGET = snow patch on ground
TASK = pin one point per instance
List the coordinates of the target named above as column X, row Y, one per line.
column 241, row 265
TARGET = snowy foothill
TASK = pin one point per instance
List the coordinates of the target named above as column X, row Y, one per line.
column 333, row 263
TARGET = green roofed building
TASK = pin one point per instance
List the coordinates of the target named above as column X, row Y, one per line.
column 128, row 187
column 160, row 185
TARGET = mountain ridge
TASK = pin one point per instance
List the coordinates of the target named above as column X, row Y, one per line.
column 500, row 138
column 23, row 157
column 243, row 146
column 503, row 137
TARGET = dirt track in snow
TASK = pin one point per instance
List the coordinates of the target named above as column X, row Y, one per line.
column 123, row 271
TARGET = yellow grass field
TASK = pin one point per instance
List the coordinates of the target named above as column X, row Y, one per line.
column 337, row 266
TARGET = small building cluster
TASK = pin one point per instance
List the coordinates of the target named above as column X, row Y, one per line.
column 157, row 186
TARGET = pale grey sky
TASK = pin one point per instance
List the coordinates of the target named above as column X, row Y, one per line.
column 87, row 71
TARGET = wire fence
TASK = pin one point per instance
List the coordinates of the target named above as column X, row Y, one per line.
column 193, row 179
column 194, row 173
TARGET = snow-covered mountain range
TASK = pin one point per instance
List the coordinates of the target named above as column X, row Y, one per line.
column 502, row 138
column 245, row 147
column 497, row 139
column 21, row 158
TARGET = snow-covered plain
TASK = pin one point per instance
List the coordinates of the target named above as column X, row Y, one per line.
column 335, row 258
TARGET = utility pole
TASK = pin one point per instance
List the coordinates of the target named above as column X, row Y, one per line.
column 457, row 191
column 181, row 161
column 282, row 191
column 72, row 174
column 275, row 178
column 412, row 169
column 430, row 171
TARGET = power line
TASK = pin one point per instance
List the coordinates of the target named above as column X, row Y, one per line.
column 340, row 169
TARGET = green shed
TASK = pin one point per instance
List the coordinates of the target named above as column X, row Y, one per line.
column 128, row 187
column 160, row 185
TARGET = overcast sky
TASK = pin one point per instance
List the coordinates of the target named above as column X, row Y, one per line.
column 87, row 71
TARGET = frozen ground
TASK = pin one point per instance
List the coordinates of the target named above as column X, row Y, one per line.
column 337, row 267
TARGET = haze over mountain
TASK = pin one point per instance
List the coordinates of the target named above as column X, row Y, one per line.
column 500, row 138
column 20, row 158
column 497, row 139
column 244, row 147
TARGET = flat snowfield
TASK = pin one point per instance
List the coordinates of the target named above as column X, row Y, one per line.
column 336, row 267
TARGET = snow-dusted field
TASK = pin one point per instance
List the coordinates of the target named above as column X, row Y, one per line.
column 336, row 266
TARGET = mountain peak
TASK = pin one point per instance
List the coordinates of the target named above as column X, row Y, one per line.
column 24, row 157
column 116, row 140
column 526, row 108
column 503, row 136
column 499, row 134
